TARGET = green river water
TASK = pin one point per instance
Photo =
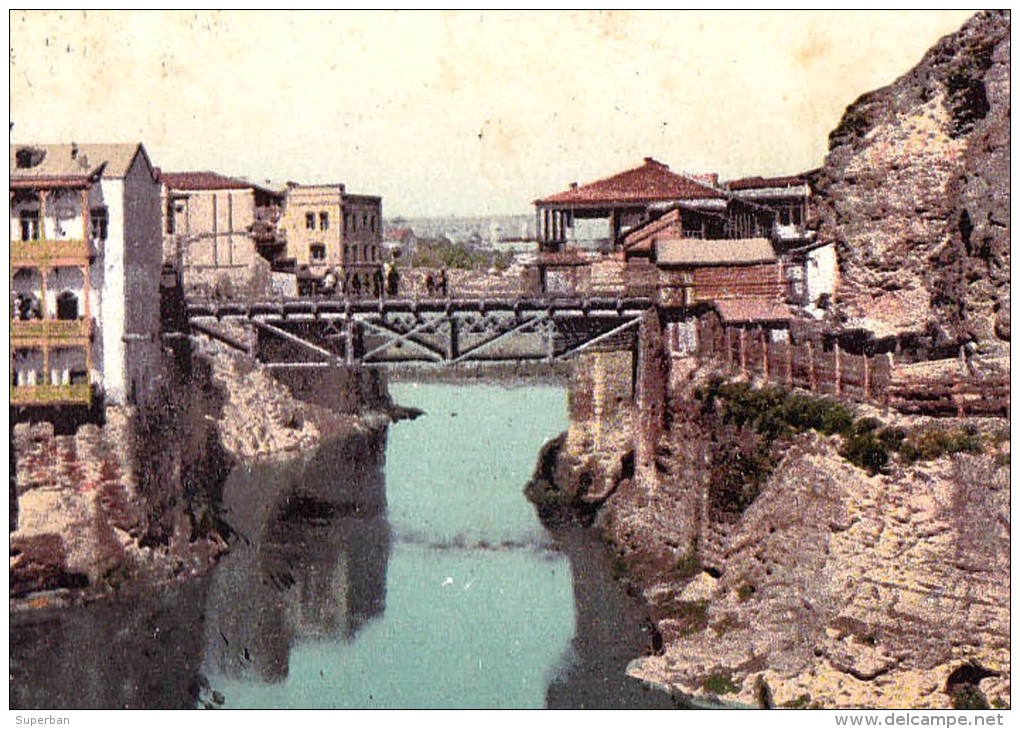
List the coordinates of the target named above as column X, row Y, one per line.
column 404, row 571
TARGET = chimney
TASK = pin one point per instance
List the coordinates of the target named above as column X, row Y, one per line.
column 657, row 163
column 573, row 185
column 707, row 178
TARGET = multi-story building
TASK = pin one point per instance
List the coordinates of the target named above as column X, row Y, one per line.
column 216, row 226
column 85, row 258
column 329, row 230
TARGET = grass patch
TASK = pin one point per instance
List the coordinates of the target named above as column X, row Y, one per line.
column 692, row 616
column 801, row 702
column 719, row 684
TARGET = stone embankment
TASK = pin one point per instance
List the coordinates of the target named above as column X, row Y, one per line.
column 829, row 584
column 134, row 502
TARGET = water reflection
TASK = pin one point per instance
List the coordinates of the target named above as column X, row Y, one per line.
column 139, row 653
column 612, row 629
column 310, row 563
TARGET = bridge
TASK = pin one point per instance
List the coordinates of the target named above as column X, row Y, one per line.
column 310, row 332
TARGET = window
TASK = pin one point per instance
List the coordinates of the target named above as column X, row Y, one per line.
column 347, row 252
column 67, row 306
column 373, row 223
column 29, row 225
column 318, row 252
column 310, row 221
column 364, row 220
column 347, row 220
column 323, row 221
column 101, row 223
column 354, row 223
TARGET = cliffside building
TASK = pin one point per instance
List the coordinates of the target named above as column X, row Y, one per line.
column 85, row 259
column 329, row 230
column 216, row 228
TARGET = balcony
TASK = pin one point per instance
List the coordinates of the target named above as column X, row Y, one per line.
column 42, row 395
column 52, row 331
column 38, row 253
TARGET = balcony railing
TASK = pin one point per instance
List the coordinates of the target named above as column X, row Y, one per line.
column 40, row 395
column 39, row 252
column 58, row 330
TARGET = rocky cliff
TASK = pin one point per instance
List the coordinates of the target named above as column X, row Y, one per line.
column 915, row 194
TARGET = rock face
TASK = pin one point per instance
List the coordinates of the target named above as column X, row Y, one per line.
column 915, row 193
column 840, row 589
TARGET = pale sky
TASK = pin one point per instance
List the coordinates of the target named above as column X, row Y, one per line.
column 451, row 112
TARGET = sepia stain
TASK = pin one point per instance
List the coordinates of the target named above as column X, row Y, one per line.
column 813, row 49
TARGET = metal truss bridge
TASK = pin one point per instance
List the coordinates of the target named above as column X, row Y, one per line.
column 319, row 332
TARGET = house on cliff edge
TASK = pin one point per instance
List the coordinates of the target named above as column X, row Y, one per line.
column 85, row 259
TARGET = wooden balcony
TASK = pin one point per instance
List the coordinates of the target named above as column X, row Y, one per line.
column 36, row 332
column 42, row 395
column 39, row 253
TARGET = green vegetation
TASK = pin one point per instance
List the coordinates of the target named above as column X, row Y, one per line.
column 719, row 683
column 692, row 616
column 445, row 253
column 759, row 417
column 801, row 702
column 968, row 696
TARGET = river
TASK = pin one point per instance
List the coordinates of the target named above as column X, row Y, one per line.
column 404, row 569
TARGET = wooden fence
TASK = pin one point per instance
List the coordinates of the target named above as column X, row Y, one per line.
column 806, row 365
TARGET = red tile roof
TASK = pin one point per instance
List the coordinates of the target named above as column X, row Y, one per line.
column 651, row 182
column 401, row 234
column 202, row 181
column 735, row 311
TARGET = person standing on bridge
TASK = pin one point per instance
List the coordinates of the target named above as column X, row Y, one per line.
column 392, row 280
column 442, row 282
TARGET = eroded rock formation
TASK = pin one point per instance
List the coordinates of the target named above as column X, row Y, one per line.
column 915, row 193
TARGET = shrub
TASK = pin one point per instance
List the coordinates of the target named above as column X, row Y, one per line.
column 719, row 683
column 933, row 443
column 867, row 450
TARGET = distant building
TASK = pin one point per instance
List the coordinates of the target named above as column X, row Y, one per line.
column 399, row 244
column 216, row 226
column 330, row 230
column 85, row 257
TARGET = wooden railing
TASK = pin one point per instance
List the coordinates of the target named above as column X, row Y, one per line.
column 52, row 329
column 39, row 395
column 953, row 396
column 860, row 378
column 41, row 252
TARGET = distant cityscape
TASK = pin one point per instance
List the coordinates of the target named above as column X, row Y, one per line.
column 482, row 230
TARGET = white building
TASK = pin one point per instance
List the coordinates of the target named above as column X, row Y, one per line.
column 86, row 252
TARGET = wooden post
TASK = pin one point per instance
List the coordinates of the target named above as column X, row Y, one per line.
column 42, row 215
column 789, row 362
column 743, row 351
column 42, row 294
column 836, row 363
column 811, row 365
column 729, row 347
column 764, row 354
column 867, row 377
column 958, row 396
